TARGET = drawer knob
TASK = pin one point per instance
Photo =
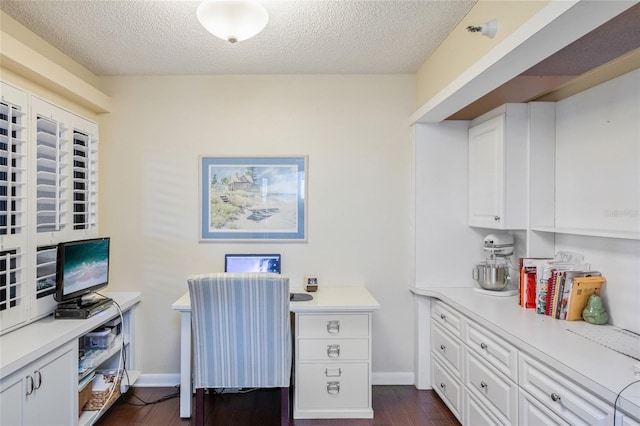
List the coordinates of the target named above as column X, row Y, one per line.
column 443, row 316
column 496, row 218
column 333, row 351
column 483, row 345
column 443, row 347
column 555, row 397
column 333, row 327
column 333, row 372
column 443, row 387
column 333, row 388
column 483, row 385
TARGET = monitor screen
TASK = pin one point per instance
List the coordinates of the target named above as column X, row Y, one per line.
column 82, row 268
column 252, row 263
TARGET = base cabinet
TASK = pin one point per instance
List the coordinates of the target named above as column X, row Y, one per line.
column 45, row 392
column 333, row 365
column 499, row 384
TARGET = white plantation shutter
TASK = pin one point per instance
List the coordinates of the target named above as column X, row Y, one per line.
column 12, row 288
column 84, row 180
column 45, row 271
column 50, row 175
column 12, row 169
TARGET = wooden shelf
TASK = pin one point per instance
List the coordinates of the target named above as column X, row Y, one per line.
column 589, row 232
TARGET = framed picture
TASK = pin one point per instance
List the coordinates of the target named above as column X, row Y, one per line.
column 253, row 198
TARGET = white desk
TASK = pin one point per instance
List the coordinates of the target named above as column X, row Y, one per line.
column 326, row 300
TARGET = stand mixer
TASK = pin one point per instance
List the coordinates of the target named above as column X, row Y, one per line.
column 493, row 274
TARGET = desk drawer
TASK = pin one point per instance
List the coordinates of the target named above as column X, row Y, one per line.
column 333, row 386
column 332, row 325
column 448, row 387
column 448, row 347
column 491, row 387
column 492, row 348
column 333, row 349
column 446, row 317
column 562, row 396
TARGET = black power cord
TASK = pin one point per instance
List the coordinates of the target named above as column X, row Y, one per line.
column 615, row 403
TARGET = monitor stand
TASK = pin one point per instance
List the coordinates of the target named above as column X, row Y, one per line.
column 83, row 307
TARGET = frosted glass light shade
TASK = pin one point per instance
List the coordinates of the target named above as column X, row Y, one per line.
column 232, row 20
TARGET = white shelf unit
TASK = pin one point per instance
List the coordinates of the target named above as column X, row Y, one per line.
column 31, row 346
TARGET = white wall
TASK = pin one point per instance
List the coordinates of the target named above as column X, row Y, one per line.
column 354, row 130
column 598, row 186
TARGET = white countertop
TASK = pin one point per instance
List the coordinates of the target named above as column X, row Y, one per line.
column 26, row 344
column 324, row 300
column 598, row 368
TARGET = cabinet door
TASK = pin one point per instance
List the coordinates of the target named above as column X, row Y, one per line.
column 12, row 399
column 486, row 174
column 54, row 400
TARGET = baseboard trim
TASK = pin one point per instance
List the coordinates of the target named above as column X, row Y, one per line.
column 392, row 378
column 158, row 380
column 170, row 380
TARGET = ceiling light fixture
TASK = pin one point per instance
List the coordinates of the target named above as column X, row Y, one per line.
column 488, row 29
column 232, row 20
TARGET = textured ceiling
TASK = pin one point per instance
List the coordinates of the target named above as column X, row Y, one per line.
column 134, row 37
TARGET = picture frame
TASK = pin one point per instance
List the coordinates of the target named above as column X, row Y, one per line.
column 253, row 198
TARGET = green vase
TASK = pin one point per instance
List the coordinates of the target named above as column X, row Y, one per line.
column 594, row 312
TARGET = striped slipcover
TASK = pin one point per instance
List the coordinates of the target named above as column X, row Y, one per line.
column 241, row 330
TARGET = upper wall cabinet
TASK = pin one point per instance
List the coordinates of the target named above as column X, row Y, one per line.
column 497, row 168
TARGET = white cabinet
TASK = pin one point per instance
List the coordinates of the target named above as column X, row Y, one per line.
column 485, row 377
column 561, row 396
column 333, row 365
column 497, row 168
column 39, row 366
column 45, row 392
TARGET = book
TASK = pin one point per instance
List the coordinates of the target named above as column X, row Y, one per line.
column 567, row 287
column 528, row 267
column 551, row 285
column 581, row 290
column 557, row 299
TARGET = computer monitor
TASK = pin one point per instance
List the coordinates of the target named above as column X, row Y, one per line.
column 82, row 268
column 252, row 263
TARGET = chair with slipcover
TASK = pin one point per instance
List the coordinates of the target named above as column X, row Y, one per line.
column 241, row 334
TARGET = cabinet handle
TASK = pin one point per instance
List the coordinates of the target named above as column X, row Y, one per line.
column 333, row 388
column 443, row 347
column 333, row 327
column 333, row 351
column 483, row 385
column 483, row 345
column 334, row 372
column 496, row 218
column 443, row 387
column 555, row 397
column 443, row 316
column 38, row 379
column 30, row 387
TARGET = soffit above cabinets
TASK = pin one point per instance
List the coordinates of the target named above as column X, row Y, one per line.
column 607, row 52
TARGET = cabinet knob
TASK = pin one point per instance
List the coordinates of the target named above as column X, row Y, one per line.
column 333, row 327
column 443, row 347
column 333, row 388
column 483, row 385
column 333, row 351
column 443, row 386
column 555, row 397
column 483, row 345
column 443, row 316
column 496, row 218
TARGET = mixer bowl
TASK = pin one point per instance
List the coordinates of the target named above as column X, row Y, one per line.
column 491, row 276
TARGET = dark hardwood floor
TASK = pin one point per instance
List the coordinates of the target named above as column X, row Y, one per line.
column 392, row 405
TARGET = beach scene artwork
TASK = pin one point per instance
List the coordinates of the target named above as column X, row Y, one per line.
column 253, row 198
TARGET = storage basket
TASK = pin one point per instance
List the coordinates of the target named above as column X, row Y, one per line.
column 84, row 396
column 98, row 398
